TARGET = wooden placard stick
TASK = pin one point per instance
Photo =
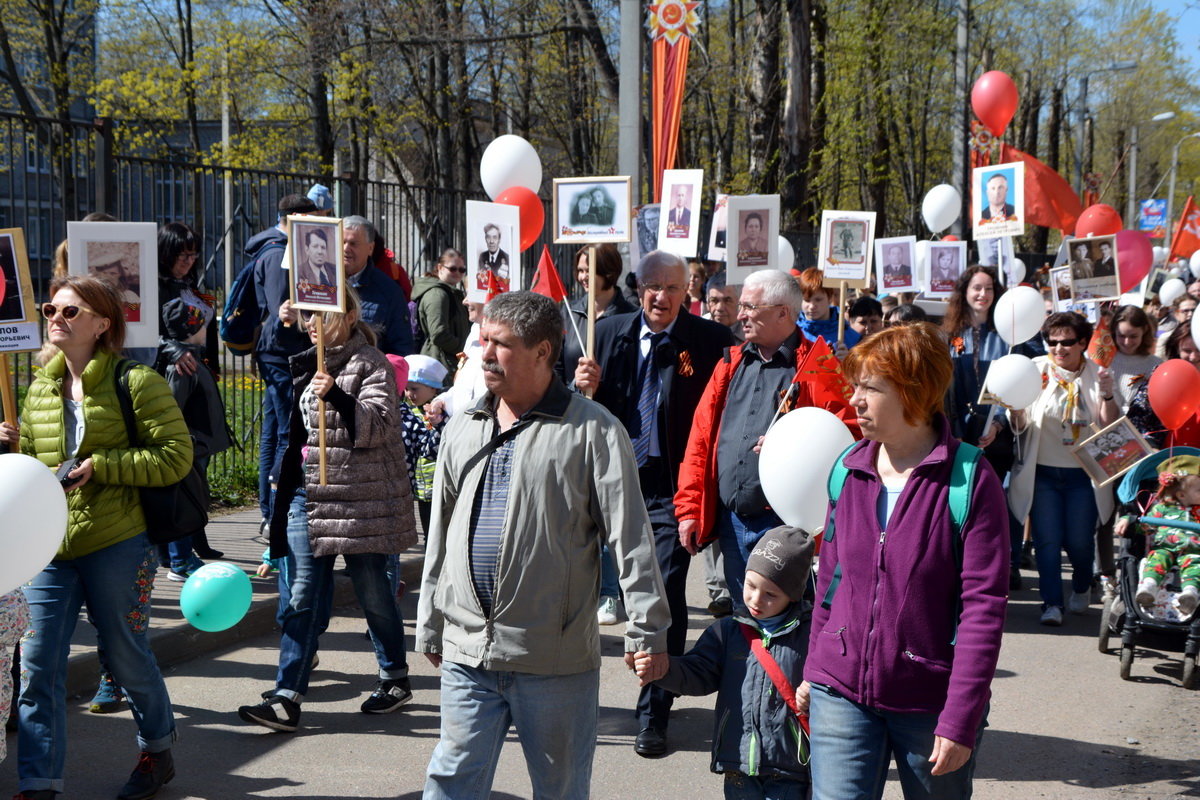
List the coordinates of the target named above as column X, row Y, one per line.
column 321, row 403
column 6, row 389
column 591, row 306
column 841, row 314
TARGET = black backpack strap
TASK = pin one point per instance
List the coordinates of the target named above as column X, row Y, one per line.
column 125, row 398
column 494, row 444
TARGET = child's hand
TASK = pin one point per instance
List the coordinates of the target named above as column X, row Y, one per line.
column 1121, row 529
column 264, row 569
column 649, row 667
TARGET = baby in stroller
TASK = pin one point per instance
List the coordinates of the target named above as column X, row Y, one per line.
column 1174, row 547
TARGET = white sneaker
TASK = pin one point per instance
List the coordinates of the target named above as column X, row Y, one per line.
column 1188, row 599
column 1078, row 602
column 1147, row 593
column 1052, row 616
column 606, row 612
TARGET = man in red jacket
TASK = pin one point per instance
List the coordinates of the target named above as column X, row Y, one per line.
column 720, row 497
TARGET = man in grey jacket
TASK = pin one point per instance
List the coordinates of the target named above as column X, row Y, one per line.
column 528, row 483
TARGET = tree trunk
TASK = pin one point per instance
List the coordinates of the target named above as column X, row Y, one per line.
column 797, row 116
column 764, row 97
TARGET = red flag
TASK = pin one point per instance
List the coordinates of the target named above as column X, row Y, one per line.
column 820, row 370
column 1187, row 235
column 545, row 279
column 1049, row 199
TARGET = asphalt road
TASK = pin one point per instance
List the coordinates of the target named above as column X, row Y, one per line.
column 1063, row 725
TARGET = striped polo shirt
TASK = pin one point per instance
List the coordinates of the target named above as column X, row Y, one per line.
column 487, row 523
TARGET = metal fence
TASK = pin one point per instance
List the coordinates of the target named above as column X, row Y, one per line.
column 53, row 171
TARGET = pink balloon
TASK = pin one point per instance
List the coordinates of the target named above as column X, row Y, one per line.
column 1135, row 256
column 994, row 100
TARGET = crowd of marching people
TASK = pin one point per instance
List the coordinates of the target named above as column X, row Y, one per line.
column 562, row 485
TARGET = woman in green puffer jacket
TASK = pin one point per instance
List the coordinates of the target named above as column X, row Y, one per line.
column 72, row 412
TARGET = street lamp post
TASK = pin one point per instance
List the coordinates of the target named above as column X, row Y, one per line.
column 1116, row 66
column 1131, row 201
column 1171, row 185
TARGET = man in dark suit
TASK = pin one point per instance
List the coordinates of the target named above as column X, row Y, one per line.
column 316, row 269
column 1106, row 267
column 492, row 260
column 679, row 221
column 895, row 271
column 997, row 209
column 656, row 408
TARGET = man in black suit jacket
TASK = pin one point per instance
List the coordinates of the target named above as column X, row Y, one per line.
column 493, row 259
column 679, row 221
column 684, row 357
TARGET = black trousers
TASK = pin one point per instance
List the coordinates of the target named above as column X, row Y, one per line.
column 654, row 703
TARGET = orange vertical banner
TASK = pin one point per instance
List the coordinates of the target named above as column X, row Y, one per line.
column 672, row 23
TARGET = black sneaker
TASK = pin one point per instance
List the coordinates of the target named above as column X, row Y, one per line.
column 36, row 794
column 266, row 714
column 387, row 697
column 153, row 771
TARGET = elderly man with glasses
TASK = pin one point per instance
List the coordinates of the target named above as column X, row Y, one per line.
column 720, row 497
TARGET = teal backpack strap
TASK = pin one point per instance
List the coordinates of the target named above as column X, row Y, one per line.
column 962, row 484
column 837, row 480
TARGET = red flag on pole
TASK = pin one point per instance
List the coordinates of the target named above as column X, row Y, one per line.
column 493, row 285
column 1049, row 199
column 545, row 279
column 1187, row 236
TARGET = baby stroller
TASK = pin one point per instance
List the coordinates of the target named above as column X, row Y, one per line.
column 1121, row 614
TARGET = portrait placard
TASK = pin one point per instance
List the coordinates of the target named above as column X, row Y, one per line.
column 493, row 230
column 1060, row 285
column 679, row 222
column 1095, row 271
column 645, row 231
column 1110, row 453
column 19, row 327
column 751, row 236
column 592, row 210
column 998, row 200
column 1154, row 281
column 126, row 255
column 317, row 268
column 846, row 247
column 719, row 232
column 946, row 261
column 895, row 264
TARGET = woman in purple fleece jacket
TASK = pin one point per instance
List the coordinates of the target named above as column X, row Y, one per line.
column 902, row 654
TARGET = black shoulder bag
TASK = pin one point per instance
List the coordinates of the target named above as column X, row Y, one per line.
column 172, row 512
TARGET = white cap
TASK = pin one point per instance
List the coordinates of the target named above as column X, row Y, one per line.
column 426, row 371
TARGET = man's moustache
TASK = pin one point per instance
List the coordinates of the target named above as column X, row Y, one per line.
column 494, row 367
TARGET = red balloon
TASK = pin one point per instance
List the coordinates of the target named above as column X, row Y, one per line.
column 533, row 214
column 1135, row 257
column 1098, row 220
column 994, row 100
column 950, row 237
column 1174, row 392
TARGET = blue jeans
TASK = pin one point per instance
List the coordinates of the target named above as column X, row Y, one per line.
column 853, row 745
column 555, row 717
column 746, row 787
column 277, row 414
column 737, row 535
column 1063, row 516
column 307, row 614
column 609, row 587
column 113, row 583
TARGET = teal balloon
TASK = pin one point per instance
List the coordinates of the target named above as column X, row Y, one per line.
column 216, row 596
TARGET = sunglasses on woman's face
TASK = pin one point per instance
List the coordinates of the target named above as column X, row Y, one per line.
column 49, row 310
column 1061, row 343
column 462, row 270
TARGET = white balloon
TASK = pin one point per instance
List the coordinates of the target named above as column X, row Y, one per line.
column 1194, row 263
column 1014, row 272
column 1195, row 328
column 507, row 162
column 1015, row 379
column 797, row 455
column 1160, row 256
column 1174, row 272
column 1170, row 290
column 34, row 509
column 1020, row 313
column 787, row 254
column 941, row 207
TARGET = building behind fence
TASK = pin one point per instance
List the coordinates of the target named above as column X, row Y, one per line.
column 53, row 172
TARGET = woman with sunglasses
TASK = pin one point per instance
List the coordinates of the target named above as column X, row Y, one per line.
column 441, row 316
column 188, row 359
column 72, row 413
column 363, row 512
column 1048, row 485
